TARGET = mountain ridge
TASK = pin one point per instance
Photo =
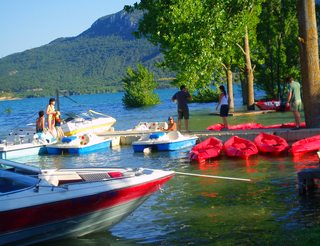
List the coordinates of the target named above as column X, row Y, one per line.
column 92, row 62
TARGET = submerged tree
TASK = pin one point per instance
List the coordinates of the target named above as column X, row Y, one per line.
column 139, row 88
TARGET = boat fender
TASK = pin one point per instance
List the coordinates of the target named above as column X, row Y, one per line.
column 156, row 135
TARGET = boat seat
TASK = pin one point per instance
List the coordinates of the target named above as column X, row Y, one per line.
column 90, row 177
column 59, row 178
column 173, row 135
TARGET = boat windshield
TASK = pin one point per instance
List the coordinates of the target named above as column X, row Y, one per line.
column 11, row 181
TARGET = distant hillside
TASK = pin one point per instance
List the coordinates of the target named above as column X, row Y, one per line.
column 92, row 62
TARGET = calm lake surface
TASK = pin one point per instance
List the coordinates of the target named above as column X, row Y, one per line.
column 191, row 210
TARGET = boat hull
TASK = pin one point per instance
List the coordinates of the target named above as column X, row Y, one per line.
column 169, row 146
column 75, row 227
column 85, row 149
column 18, row 151
column 96, row 125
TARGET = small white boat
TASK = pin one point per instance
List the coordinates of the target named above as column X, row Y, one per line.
column 91, row 122
column 38, row 205
column 79, row 144
column 25, row 142
column 150, row 126
column 162, row 141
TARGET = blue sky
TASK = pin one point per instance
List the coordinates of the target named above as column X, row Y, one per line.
column 27, row 24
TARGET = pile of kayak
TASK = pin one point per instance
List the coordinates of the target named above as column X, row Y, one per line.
column 253, row 126
column 264, row 143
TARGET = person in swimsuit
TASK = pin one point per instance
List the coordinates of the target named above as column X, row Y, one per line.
column 172, row 126
column 51, row 112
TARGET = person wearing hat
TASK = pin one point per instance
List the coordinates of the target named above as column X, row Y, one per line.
column 172, row 126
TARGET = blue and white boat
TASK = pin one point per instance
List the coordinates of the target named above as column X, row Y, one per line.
column 79, row 144
column 24, row 142
column 162, row 141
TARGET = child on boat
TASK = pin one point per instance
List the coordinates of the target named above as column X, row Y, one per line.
column 40, row 122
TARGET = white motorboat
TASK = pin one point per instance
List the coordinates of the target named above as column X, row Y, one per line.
column 150, row 126
column 38, row 205
column 90, row 122
column 25, row 142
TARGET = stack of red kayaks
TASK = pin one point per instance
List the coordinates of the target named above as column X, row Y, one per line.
column 269, row 143
column 306, row 145
column 207, row 149
column 239, row 147
column 245, row 126
column 251, row 126
column 215, row 127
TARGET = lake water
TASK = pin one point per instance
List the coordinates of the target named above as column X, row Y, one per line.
column 190, row 210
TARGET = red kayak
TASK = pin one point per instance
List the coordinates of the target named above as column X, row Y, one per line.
column 269, row 143
column 306, row 145
column 207, row 149
column 240, row 147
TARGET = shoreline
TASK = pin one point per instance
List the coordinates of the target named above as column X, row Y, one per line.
column 9, row 98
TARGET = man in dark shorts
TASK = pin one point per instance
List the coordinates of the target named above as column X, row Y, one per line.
column 182, row 97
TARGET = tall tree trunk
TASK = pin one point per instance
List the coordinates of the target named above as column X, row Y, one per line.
column 230, row 89
column 309, row 60
column 244, row 87
column 249, row 72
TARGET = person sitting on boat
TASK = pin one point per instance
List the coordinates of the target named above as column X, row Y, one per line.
column 172, row 126
column 40, row 122
column 51, row 112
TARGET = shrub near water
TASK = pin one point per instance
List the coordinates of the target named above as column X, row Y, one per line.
column 139, row 86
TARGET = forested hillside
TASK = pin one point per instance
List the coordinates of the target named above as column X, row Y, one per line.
column 92, row 62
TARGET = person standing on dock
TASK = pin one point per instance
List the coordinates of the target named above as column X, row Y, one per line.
column 294, row 100
column 182, row 97
column 224, row 101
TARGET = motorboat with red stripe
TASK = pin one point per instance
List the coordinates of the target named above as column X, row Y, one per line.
column 38, row 205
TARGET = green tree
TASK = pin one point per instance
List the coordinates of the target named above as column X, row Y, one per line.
column 139, row 88
column 196, row 37
column 277, row 34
